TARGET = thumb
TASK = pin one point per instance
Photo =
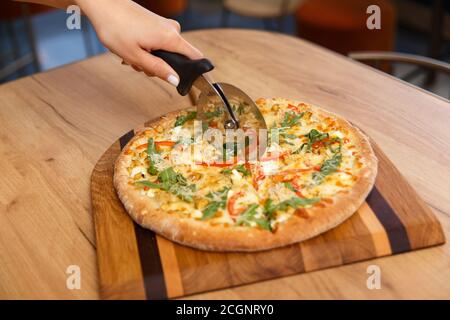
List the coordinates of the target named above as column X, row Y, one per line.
column 152, row 65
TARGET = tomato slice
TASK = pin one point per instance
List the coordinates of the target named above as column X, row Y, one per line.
column 216, row 164
column 293, row 108
column 288, row 175
column 142, row 146
column 231, row 202
column 164, row 143
column 297, row 189
column 157, row 144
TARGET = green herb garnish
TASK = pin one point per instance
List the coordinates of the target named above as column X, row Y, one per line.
column 151, row 152
column 146, row 183
column 213, row 114
column 291, row 119
column 313, row 137
column 295, row 202
column 172, row 182
column 185, row 118
column 248, row 216
column 328, row 167
column 218, row 201
column 239, row 168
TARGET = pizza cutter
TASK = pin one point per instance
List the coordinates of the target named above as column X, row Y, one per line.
column 193, row 73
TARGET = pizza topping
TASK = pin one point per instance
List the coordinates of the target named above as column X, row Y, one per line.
column 232, row 210
column 252, row 217
column 314, row 158
column 295, row 202
column 241, row 168
column 181, row 120
column 328, row 167
column 291, row 119
column 172, row 182
column 218, row 201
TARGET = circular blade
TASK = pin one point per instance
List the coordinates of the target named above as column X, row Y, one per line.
column 246, row 106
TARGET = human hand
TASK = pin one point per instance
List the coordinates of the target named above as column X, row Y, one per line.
column 130, row 31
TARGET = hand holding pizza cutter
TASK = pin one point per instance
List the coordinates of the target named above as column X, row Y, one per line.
column 193, row 73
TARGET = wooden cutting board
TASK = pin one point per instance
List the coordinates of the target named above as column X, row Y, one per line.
column 135, row 263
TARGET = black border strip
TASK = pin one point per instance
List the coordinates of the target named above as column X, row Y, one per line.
column 125, row 138
column 152, row 271
column 396, row 231
column 155, row 286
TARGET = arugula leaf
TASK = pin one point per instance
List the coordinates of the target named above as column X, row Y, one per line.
column 295, row 202
column 213, row 114
column 146, row 183
column 239, row 168
column 264, row 224
column 172, row 182
column 210, row 210
column 331, row 142
column 218, row 201
column 328, row 167
column 291, row 119
column 185, row 118
column 239, row 109
column 151, row 151
column 313, row 137
column 289, row 186
column 247, row 216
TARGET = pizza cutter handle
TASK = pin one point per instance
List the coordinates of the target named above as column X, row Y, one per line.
column 188, row 70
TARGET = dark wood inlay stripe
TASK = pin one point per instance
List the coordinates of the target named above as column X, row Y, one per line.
column 396, row 231
column 152, row 271
column 125, row 138
column 155, row 287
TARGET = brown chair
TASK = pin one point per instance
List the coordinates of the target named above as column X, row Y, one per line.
column 165, row 8
column 341, row 25
column 263, row 9
column 10, row 11
column 377, row 57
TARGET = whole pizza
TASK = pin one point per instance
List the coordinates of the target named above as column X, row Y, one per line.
column 194, row 191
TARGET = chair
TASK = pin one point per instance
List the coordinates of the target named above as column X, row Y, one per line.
column 165, row 8
column 341, row 25
column 394, row 57
column 10, row 11
column 264, row 9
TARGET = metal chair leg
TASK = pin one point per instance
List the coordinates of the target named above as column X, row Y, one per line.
column 30, row 34
column 225, row 18
column 15, row 47
column 435, row 46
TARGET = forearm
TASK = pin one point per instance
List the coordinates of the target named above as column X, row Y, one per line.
column 61, row 4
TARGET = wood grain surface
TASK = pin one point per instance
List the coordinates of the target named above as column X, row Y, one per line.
column 392, row 220
column 56, row 125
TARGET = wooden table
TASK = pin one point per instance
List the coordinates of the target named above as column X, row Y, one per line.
column 55, row 125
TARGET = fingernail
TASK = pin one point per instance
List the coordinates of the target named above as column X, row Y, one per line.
column 173, row 80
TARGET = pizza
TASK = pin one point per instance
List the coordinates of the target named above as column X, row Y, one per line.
column 310, row 179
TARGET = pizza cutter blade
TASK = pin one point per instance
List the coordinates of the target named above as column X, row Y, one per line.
column 193, row 73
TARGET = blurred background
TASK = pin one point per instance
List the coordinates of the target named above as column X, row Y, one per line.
column 413, row 43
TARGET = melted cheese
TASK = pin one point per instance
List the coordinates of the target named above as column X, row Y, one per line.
column 195, row 159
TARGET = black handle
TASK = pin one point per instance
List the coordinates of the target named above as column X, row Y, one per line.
column 187, row 69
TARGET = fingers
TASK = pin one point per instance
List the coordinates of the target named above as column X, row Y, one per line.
column 175, row 24
column 154, row 66
column 176, row 43
column 180, row 45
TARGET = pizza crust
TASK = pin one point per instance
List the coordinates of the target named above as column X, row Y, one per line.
column 202, row 235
